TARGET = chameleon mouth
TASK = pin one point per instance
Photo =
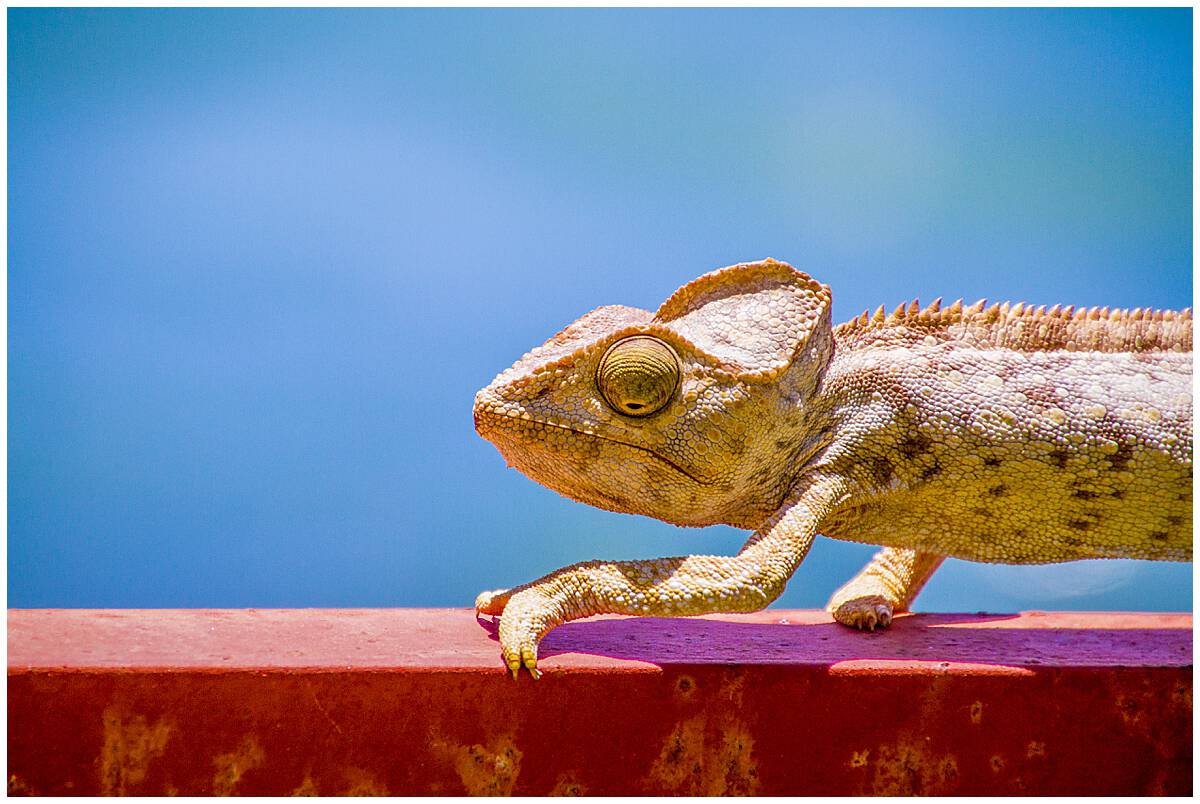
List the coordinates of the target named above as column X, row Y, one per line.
column 493, row 424
column 644, row 450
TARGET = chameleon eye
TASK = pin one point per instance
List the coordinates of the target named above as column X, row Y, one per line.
column 638, row 375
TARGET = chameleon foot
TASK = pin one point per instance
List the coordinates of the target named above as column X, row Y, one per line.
column 526, row 619
column 864, row 613
column 522, row 653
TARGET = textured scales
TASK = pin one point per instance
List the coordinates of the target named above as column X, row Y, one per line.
column 999, row 433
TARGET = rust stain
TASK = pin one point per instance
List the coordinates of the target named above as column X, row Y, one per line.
column 232, row 766
column 1035, row 749
column 948, row 769
column 1141, row 708
column 568, row 785
column 130, row 744
column 1181, row 695
column 490, row 770
column 19, row 787
column 909, row 768
column 1131, row 711
column 977, row 712
column 307, row 787
column 859, row 759
column 909, row 765
column 363, row 783
column 711, row 753
column 681, row 756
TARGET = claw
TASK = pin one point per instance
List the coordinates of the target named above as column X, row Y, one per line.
column 514, row 666
column 529, row 659
column 526, row 658
column 863, row 614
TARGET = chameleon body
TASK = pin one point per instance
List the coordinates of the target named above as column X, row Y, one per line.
column 999, row 433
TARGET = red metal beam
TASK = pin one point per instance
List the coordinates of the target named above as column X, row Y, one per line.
column 415, row 701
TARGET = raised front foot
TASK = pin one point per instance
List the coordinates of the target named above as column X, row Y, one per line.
column 518, row 632
column 527, row 618
column 864, row 613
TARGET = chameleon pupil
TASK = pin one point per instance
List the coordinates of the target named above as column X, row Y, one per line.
column 638, row 375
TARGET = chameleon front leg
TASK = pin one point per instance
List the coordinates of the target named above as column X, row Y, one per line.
column 889, row 583
column 662, row 587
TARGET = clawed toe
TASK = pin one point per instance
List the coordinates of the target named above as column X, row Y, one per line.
column 527, row 658
column 864, row 614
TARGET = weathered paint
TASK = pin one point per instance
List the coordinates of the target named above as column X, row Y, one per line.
column 415, row 701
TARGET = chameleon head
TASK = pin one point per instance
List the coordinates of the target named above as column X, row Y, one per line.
column 676, row 414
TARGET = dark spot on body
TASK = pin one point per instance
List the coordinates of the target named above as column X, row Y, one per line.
column 1073, row 541
column 979, row 510
column 1059, row 458
column 1084, row 494
column 617, row 499
column 933, row 470
column 1122, row 456
column 998, row 491
column 1174, row 520
column 1081, row 524
column 783, row 444
column 1118, row 494
column 915, row 444
column 1159, row 535
column 882, row 469
column 991, row 460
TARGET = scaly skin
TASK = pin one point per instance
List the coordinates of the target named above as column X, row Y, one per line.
column 1001, row 434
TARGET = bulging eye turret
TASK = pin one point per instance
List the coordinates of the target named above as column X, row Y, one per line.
column 638, row 375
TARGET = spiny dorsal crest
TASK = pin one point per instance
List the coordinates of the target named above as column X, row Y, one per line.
column 1025, row 327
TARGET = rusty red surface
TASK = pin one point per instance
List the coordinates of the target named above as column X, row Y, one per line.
column 779, row 702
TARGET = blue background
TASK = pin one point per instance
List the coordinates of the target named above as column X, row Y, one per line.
column 260, row 262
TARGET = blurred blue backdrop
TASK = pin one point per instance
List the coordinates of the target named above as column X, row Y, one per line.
column 260, row 262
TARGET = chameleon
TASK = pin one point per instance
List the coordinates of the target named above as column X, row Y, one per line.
column 999, row 433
